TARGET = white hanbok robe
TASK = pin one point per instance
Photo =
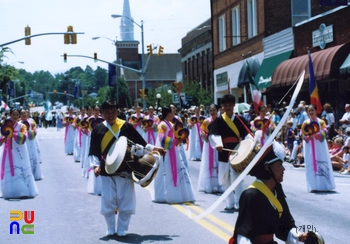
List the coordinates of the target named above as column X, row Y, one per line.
column 16, row 177
column 136, row 121
column 172, row 183
column 78, row 139
column 196, row 142
column 318, row 166
column 208, row 173
column 150, row 133
column 35, row 160
column 264, row 126
column 69, row 135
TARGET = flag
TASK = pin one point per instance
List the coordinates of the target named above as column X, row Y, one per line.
column 313, row 89
column 4, row 106
column 228, row 87
column 112, row 75
column 256, row 95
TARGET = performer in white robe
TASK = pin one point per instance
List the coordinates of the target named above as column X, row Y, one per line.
column 180, row 146
column 172, row 183
column 318, row 166
column 84, row 127
column 208, row 174
column 31, row 145
column 136, row 120
column 196, row 142
column 262, row 123
column 69, row 133
column 78, row 137
column 150, row 130
column 16, row 177
column 94, row 183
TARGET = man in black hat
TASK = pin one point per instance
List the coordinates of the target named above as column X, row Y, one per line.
column 264, row 211
column 118, row 194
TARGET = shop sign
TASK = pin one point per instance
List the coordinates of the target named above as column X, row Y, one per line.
column 322, row 36
column 221, row 78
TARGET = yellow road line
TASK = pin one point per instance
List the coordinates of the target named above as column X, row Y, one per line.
column 212, row 218
column 216, row 231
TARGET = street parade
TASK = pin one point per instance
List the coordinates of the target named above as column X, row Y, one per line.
column 241, row 135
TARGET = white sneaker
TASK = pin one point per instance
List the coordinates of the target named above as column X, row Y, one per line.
column 110, row 232
column 121, row 233
column 345, row 172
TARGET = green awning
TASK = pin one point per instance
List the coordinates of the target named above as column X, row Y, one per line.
column 345, row 67
column 268, row 66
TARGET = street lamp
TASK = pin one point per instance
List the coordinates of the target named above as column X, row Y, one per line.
column 143, row 52
column 116, row 59
column 158, row 101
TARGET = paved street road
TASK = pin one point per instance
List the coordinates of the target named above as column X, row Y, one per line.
column 66, row 213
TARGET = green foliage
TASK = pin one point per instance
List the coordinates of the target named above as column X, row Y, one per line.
column 7, row 72
column 199, row 94
column 165, row 100
column 191, row 89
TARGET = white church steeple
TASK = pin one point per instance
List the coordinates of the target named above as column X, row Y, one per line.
column 126, row 25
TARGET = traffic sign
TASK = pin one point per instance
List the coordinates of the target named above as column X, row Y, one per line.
column 176, row 97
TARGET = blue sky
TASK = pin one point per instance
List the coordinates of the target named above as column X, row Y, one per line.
column 165, row 23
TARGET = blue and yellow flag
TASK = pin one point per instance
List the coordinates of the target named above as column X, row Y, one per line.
column 313, row 90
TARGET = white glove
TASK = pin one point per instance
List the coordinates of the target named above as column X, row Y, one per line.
column 137, row 150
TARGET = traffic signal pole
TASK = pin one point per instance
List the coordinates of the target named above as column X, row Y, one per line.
column 103, row 61
column 42, row 34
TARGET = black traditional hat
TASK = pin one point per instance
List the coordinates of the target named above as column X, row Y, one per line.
column 165, row 112
column 273, row 153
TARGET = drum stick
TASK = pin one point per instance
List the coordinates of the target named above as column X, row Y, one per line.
column 226, row 149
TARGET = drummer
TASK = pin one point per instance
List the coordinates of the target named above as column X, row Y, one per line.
column 264, row 211
column 118, row 194
column 226, row 132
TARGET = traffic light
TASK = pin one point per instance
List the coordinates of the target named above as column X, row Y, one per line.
column 149, row 49
column 145, row 95
column 160, row 50
column 65, row 57
column 95, row 57
column 27, row 33
column 141, row 93
column 70, row 38
column 65, row 93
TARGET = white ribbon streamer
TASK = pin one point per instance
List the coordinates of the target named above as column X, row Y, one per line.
column 258, row 155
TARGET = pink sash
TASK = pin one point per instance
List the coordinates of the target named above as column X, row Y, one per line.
column 7, row 149
column 172, row 154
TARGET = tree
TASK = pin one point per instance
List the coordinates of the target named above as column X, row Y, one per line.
column 199, row 95
column 7, row 72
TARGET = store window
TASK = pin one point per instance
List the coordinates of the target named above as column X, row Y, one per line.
column 252, row 18
column 222, row 33
column 301, row 10
column 236, row 27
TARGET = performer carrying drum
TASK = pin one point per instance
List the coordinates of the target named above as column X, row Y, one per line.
column 263, row 210
column 226, row 132
column 118, row 194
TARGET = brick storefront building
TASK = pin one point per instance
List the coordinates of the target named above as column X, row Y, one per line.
column 262, row 34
